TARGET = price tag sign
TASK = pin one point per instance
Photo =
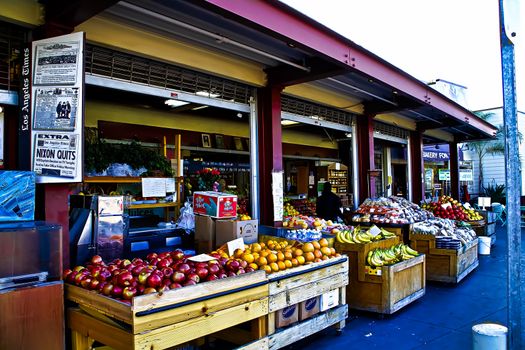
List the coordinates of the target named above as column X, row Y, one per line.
column 153, row 187
column 234, row 245
column 374, row 230
column 446, row 205
column 202, row 258
column 467, row 205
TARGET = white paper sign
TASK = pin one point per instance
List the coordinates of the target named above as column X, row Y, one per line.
column 56, row 154
column 170, row 185
column 467, row 205
column 153, row 187
column 374, row 230
column 446, row 205
column 234, row 245
column 277, row 183
column 202, row 258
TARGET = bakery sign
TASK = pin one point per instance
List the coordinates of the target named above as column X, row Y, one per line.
column 436, row 156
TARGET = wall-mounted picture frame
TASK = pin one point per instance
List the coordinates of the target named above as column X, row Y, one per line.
column 219, row 141
column 238, row 144
column 206, row 141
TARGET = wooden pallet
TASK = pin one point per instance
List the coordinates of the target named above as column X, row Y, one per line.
column 176, row 317
column 446, row 265
column 397, row 286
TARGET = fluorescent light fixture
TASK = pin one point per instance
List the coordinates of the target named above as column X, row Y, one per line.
column 207, row 94
column 348, row 134
column 288, row 122
column 175, row 103
column 200, row 107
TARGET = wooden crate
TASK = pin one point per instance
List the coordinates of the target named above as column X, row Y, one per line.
column 290, row 287
column 397, row 286
column 175, row 317
column 446, row 265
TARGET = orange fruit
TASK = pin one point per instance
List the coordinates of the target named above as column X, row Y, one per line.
column 318, row 254
column 288, row 264
column 318, row 260
column 280, row 256
column 326, row 251
column 255, row 256
column 308, row 247
column 323, row 242
column 282, row 265
column 295, row 262
column 263, row 245
column 238, row 253
column 274, row 267
column 256, row 247
column 316, row 245
column 253, row 266
column 337, row 255
column 264, row 253
column 266, row 268
column 298, row 252
column 309, row 256
column 272, row 257
column 332, row 249
column 262, row 261
column 301, row 260
column 248, row 257
column 288, row 255
column 325, row 257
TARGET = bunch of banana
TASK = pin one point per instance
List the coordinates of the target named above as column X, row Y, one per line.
column 399, row 252
column 359, row 235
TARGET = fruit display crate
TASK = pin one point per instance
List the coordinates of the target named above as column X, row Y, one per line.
column 484, row 228
column 293, row 286
column 446, row 265
column 400, row 230
column 394, row 287
column 161, row 321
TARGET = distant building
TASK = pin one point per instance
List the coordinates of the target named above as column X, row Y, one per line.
column 493, row 165
column 456, row 92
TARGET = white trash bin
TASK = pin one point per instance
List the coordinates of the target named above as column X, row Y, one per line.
column 489, row 336
column 484, row 245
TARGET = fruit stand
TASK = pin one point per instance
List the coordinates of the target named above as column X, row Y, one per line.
column 451, row 252
column 384, row 289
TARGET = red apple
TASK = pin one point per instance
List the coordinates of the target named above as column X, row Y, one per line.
column 137, row 270
column 94, row 284
column 101, row 286
column 108, row 289
column 242, row 263
column 117, row 291
column 124, row 278
column 166, row 282
column 163, row 255
column 140, row 289
column 138, row 261
column 178, row 277
column 189, row 283
column 249, row 269
column 232, row 265
column 66, row 273
column 167, row 272
column 213, row 268
column 177, row 254
column 202, row 272
column 96, row 259
column 129, row 292
column 201, row 265
column 175, row 285
column 222, row 275
column 231, row 274
column 212, row 278
column 154, row 281
column 149, row 290
column 104, row 275
column 162, row 289
column 78, row 268
column 151, row 256
column 194, row 277
column 184, row 268
column 79, row 276
column 86, row 281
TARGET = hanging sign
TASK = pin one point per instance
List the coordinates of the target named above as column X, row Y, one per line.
column 444, row 175
column 465, row 175
column 57, row 99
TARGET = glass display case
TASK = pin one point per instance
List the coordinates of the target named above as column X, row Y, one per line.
column 31, row 253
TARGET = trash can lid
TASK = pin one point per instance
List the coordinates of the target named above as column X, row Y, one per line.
column 491, row 329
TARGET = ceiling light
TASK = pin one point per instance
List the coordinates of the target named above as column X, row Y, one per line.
column 288, row 122
column 175, row 103
column 239, row 115
column 1, row 109
column 207, row 94
column 200, row 107
column 348, row 134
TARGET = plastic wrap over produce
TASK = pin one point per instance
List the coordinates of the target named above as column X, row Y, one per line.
column 17, row 196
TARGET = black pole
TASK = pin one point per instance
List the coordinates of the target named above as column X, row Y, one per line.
column 513, row 181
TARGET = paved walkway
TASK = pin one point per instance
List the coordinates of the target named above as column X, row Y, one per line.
column 442, row 319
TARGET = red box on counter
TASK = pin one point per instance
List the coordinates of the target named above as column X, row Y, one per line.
column 215, row 204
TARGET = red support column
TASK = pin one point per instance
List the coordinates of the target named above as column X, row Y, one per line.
column 365, row 150
column 416, row 166
column 270, row 147
column 454, row 170
column 57, row 212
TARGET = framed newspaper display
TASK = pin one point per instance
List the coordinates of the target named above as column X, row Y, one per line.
column 58, row 108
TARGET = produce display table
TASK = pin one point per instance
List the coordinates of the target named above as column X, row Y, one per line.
column 394, row 287
column 446, row 265
column 176, row 317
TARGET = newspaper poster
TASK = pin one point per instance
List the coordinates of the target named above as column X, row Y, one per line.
column 56, row 154
column 55, row 109
column 56, row 63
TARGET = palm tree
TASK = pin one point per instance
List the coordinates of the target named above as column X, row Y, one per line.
column 482, row 148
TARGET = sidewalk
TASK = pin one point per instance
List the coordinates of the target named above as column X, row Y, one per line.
column 442, row 319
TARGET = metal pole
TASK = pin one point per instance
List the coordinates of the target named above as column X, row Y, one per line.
column 254, row 159
column 512, row 177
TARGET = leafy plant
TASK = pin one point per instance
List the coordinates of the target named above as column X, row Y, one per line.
column 495, row 192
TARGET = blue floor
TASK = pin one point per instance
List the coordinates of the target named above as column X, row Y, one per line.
column 442, row 319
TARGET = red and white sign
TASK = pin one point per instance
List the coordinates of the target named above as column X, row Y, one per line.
column 215, row 204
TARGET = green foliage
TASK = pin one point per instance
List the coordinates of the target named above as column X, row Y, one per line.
column 495, row 192
column 99, row 155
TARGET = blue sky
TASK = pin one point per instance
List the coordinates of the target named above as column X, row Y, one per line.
column 452, row 40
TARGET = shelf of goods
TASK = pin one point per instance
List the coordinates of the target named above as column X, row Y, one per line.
column 446, row 262
column 391, row 287
column 176, row 317
column 338, row 178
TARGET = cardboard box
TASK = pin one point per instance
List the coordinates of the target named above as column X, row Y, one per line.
column 215, row 204
column 204, row 234
column 329, row 300
column 286, row 316
column 308, row 308
column 17, row 195
column 227, row 230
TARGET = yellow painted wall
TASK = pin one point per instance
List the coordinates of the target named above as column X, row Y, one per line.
column 397, row 120
column 27, row 12
column 120, row 36
column 98, row 110
column 440, row 134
